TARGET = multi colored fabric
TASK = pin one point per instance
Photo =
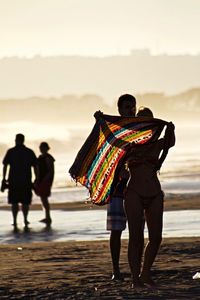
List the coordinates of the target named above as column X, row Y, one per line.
column 99, row 160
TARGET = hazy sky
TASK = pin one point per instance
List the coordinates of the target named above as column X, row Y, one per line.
column 98, row 27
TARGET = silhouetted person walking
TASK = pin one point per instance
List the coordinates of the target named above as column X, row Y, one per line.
column 20, row 159
column 45, row 171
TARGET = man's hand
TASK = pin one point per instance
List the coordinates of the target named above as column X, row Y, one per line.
column 4, row 185
column 98, row 115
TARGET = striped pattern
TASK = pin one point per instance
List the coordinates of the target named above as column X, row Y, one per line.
column 96, row 163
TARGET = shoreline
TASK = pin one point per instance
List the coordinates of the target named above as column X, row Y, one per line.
column 171, row 203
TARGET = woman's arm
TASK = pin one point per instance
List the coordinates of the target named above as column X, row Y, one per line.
column 168, row 142
column 169, row 137
column 50, row 167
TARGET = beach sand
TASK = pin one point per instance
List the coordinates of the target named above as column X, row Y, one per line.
column 175, row 202
column 82, row 270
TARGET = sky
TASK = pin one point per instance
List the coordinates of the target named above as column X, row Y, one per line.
column 98, row 27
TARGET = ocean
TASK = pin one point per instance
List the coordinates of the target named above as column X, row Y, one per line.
column 88, row 225
column 179, row 175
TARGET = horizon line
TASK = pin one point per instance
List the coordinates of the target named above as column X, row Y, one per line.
column 133, row 52
column 138, row 94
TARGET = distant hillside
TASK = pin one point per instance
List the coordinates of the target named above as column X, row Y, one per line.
column 184, row 107
column 75, row 110
column 139, row 72
column 67, row 109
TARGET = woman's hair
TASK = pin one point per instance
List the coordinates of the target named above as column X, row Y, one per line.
column 144, row 112
column 44, row 145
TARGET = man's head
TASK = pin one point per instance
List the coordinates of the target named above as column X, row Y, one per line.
column 127, row 105
column 19, row 139
column 144, row 112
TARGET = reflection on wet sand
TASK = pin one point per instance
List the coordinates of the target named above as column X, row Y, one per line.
column 87, row 225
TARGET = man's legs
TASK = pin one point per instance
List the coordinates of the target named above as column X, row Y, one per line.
column 115, row 247
column 15, row 210
column 116, row 223
column 25, row 211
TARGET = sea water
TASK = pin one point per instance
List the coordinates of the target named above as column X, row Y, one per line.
column 88, row 225
column 179, row 175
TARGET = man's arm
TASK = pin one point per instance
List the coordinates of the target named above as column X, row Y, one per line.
column 34, row 165
column 4, row 183
column 4, row 171
column 35, row 172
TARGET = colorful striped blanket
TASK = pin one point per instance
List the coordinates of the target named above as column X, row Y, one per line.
column 97, row 163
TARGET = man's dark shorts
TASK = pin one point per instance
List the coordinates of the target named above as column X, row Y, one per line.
column 20, row 195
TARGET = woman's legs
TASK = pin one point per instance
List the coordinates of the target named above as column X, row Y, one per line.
column 135, row 216
column 46, row 206
column 154, row 219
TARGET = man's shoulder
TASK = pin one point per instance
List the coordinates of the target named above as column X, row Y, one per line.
column 29, row 150
column 8, row 156
column 29, row 153
column 11, row 150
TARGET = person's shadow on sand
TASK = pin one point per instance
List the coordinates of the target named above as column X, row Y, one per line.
column 28, row 234
column 47, row 228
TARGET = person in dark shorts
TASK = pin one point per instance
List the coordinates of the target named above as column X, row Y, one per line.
column 43, row 184
column 21, row 160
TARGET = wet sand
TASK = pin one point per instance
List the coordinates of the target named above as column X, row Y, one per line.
column 177, row 202
column 82, row 270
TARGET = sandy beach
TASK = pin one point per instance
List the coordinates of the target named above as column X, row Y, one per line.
column 82, row 269
column 175, row 202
